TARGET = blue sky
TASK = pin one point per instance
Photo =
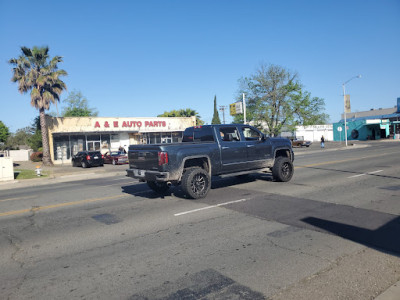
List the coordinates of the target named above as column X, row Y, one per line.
column 141, row 58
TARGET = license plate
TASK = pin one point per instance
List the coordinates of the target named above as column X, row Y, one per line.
column 96, row 157
column 139, row 173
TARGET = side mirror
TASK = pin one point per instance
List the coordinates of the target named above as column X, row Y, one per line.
column 263, row 137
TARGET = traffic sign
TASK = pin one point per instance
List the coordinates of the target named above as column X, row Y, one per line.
column 232, row 109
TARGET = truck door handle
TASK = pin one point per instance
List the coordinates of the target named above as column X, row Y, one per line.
column 223, row 148
column 249, row 146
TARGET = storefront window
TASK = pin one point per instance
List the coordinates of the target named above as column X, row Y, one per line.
column 176, row 137
column 105, row 143
column 61, row 147
column 77, row 143
column 93, row 142
column 166, row 138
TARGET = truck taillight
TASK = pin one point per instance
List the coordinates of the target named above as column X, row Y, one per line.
column 162, row 158
column 87, row 157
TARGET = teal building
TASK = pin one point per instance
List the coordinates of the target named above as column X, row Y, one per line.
column 370, row 125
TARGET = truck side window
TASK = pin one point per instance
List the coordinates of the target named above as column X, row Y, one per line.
column 198, row 134
column 203, row 134
column 188, row 135
column 229, row 134
column 250, row 134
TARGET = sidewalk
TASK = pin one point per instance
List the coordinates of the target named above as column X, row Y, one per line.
column 61, row 173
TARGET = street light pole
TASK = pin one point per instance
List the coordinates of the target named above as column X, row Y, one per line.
column 222, row 108
column 344, row 105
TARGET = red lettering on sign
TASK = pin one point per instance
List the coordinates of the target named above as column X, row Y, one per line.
column 125, row 124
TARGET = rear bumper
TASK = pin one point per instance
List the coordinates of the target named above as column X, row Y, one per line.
column 147, row 175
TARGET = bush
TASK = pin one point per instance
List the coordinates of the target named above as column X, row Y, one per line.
column 36, row 156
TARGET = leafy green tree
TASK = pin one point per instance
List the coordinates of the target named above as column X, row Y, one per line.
column 36, row 72
column 215, row 119
column 35, row 141
column 19, row 138
column 275, row 98
column 4, row 132
column 183, row 113
column 77, row 106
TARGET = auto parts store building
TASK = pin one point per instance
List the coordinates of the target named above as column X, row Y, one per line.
column 69, row 135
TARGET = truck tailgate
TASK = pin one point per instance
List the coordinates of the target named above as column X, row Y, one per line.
column 143, row 158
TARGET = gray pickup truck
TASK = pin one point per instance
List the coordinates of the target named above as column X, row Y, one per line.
column 210, row 150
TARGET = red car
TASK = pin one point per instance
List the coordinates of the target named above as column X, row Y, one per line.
column 116, row 158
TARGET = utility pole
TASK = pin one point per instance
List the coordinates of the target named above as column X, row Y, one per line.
column 222, row 108
column 244, row 110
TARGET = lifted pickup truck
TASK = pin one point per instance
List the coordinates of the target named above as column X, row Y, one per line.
column 206, row 151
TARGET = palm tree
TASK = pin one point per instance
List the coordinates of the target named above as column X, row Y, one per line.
column 188, row 112
column 36, row 72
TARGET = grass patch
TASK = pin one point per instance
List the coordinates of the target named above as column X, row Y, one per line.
column 28, row 174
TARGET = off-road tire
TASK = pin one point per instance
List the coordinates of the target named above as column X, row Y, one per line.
column 282, row 169
column 158, row 187
column 196, row 183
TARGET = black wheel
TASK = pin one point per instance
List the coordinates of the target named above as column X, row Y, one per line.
column 196, row 183
column 84, row 165
column 114, row 162
column 282, row 169
column 158, row 187
column 73, row 164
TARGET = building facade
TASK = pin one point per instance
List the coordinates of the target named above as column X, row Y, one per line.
column 68, row 136
column 370, row 125
column 315, row 132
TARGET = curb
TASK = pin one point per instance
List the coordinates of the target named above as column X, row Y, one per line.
column 7, row 185
column 392, row 293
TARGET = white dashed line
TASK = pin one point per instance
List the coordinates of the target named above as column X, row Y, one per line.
column 208, row 207
column 363, row 174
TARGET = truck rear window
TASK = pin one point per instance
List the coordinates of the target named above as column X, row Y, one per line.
column 198, row 134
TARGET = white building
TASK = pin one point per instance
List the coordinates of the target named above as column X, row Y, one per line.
column 314, row 132
column 69, row 135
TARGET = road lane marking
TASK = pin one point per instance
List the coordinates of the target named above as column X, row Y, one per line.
column 208, row 207
column 38, row 208
column 345, row 160
column 378, row 171
column 16, row 198
column 363, row 174
column 358, row 175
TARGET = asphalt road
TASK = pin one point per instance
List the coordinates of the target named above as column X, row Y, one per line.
column 330, row 233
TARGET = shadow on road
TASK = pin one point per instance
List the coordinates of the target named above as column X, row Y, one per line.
column 142, row 189
column 386, row 237
column 350, row 172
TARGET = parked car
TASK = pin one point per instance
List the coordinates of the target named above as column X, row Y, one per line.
column 116, row 158
column 298, row 142
column 88, row 159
